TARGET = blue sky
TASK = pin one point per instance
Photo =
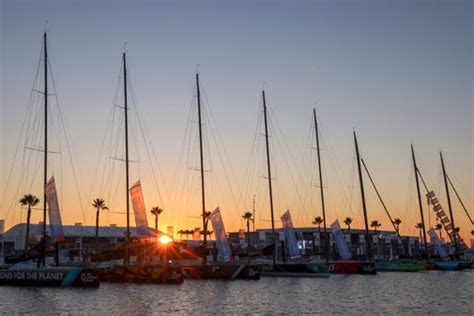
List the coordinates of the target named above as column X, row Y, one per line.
column 396, row 71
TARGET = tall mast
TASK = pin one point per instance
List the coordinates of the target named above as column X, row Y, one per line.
column 364, row 208
column 420, row 204
column 126, row 147
column 269, row 177
column 202, row 161
column 456, row 249
column 45, row 181
column 321, row 183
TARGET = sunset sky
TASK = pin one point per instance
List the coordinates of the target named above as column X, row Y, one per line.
column 396, row 72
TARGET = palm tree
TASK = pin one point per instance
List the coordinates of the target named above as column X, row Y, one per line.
column 375, row 224
column 99, row 204
column 397, row 223
column 318, row 221
column 28, row 200
column 156, row 211
column 348, row 222
column 439, row 228
column 248, row 217
column 419, row 226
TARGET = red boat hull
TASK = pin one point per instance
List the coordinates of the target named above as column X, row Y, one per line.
column 352, row 267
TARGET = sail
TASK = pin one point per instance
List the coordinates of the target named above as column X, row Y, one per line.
column 139, row 210
column 291, row 241
column 53, row 211
column 438, row 244
column 219, row 232
column 340, row 241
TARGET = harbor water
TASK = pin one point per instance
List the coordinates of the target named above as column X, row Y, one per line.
column 428, row 292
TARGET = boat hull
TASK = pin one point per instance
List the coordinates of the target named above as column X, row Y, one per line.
column 352, row 267
column 216, row 271
column 388, row 266
column 51, row 277
column 142, row 273
column 311, row 270
column 450, row 265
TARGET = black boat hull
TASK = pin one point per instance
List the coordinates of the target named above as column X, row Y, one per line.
column 216, row 271
column 306, row 270
column 142, row 273
column 51, row 277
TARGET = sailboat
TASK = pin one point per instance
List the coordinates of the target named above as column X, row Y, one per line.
column 166, row 272
column 227, row 270
column 383, row 265
column 28, row 273
column 347, row 265
column 289, row 268
column 446, row 263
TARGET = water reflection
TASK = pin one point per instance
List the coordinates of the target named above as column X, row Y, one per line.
column 390, row 293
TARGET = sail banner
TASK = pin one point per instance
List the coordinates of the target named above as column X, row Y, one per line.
column 197, row 234
column 54, row 214
column 438, row 244
column 341, row 244
column 139, row 210
column 219, row 232
column 291, row 242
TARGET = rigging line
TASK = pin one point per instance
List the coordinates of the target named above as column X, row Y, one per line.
column 181, row 153
column 110, row 117
column 380, row 198
column 108, row 140
column 422, row 180
column 206, row 113
column 22, row 130
column 307, row 159
column 459, row 198
column 148, row 141
column 251, row 163
column 285, row 158
column 150, row 159
column 64, row 122
column 208, row 110
column 332, row 159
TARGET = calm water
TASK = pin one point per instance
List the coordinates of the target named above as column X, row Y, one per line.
column 388, row 293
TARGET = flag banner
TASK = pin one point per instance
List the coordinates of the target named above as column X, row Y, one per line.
column 54, row 214
column 139, row 210
column 291, row 241
column 341, row 244
column 219, row 232
column 197, row 234
column 438, row 244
